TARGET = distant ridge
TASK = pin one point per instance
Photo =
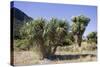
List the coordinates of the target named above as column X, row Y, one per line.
column 18, row 18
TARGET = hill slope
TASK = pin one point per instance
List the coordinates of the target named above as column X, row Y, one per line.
column 18, row 18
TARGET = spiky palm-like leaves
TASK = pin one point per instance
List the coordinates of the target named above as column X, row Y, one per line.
column 33, row 31
column 54, row 33
column 48, row 35
column 78, row 27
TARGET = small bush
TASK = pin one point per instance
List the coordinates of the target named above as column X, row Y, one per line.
column 21, row 44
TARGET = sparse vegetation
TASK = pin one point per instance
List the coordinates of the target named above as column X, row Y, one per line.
column 92, row 37
column 54, row 40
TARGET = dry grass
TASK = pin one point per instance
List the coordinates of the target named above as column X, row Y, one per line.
column 67, row 54
column 30, row 57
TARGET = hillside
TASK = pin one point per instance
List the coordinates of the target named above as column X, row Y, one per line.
column 18, row 18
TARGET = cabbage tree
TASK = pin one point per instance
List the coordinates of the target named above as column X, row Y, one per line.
column 33, row 31
column 79, row 26
column 55, row 33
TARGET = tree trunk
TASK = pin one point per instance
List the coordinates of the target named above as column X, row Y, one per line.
column 79, row 40
column 42, row 49
column 54, row 50
column 76, row 39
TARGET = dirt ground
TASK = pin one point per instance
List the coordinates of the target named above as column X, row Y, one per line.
column 30, row 58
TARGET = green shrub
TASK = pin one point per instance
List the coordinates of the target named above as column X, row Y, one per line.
column 21, row 44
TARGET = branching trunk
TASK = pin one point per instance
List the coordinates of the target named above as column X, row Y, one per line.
column 78, row 40
column 54, row 50
column 42, row 49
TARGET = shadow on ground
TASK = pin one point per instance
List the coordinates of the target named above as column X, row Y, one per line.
column 69, row 57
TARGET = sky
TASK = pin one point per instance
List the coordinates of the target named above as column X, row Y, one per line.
column 60, row 11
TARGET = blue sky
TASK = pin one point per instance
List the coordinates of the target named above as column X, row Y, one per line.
column 60, row 11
